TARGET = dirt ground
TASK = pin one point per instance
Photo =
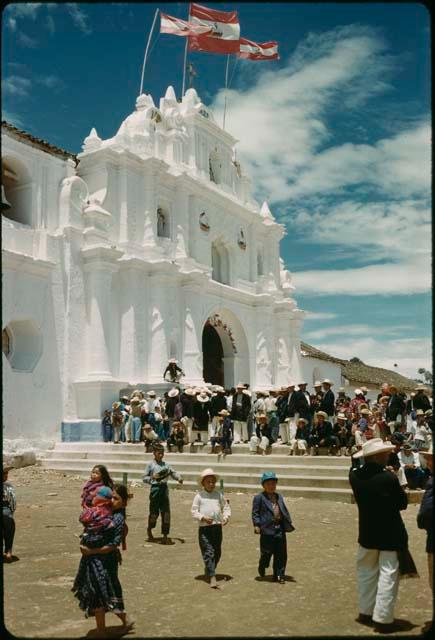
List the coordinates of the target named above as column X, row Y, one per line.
column 163, row 589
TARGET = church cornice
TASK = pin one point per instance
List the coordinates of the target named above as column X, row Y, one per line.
column 211, row 127
column 27, row 264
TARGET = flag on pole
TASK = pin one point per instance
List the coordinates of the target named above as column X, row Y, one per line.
column 225, row 34
column 250, row 50
column 178, row 27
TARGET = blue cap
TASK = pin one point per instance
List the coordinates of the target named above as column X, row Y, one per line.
column 268, row 475
column 104, row 492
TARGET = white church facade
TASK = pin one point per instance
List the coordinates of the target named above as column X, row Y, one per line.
column 144, row 247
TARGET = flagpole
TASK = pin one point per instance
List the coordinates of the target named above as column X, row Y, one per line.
column 184, row 67
column 146, row 51
column 226, row 86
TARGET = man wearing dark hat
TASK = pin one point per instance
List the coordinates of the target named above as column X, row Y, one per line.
column 395, row 406
column 271, row 520
column 381, row 536
column 421, row 400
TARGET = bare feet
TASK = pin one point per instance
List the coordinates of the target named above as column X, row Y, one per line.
column 150, row 536
column 213, row 582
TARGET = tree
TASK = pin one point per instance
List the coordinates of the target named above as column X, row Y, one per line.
column 427, row 375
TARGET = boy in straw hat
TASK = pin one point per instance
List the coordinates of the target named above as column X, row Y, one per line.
column 425, row 513
column 382, row 534
column 157, row 473
column 271, row 520
column 212, row 511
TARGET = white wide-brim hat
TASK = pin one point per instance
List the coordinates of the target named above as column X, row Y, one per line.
column 202, row 398
column 317, row 384
column 240, row 385
column 326, row 381
column 205, row 473
column 303, row 382
column 219, row 389
column 173, row 360
column 374, row 446
column 151, row 394
column 247, row 392
column 322, row 413
column 223, row 412
column 420, row 387
column 173, row 392
column 358, row 392
column 302, row 420
column 341, row 416
column 189, row 391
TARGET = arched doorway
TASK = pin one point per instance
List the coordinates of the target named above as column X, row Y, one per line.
column 213, row 353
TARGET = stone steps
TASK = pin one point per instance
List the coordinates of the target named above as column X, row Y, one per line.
column 320, row 477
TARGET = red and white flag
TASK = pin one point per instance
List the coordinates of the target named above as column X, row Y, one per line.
column 253, row 51
column 177, row 27
column 225, row 34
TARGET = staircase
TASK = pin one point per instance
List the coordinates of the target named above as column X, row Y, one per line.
column 320, row 477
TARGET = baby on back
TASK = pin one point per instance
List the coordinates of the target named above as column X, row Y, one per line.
column 97, row 519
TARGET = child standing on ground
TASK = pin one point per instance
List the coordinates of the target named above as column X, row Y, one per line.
column 9, row 505
column 271, row 520
column 99, row 478
column 212, row 511
column 157, row 474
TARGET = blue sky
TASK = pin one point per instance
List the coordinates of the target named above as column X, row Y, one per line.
column 336, row 136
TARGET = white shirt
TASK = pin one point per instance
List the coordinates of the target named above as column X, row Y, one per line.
column 152, row 405
column 413, row 458
column 210, row 504
column 270, row 404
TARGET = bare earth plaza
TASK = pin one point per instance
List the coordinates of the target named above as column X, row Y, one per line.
column 217, row 405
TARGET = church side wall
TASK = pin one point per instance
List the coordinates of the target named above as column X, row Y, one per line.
column 313, row 370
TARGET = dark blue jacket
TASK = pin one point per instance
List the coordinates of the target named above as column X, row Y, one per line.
column 263, row 516
column 424, row 516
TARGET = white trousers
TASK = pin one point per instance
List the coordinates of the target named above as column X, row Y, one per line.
column 298, row 444
column 188, row 430
column 212, row 426
column 255, row 442
column 240, row 431
column 283, row 432
column 378, row 583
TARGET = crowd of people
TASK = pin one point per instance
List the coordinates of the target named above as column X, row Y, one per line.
column 308, row 422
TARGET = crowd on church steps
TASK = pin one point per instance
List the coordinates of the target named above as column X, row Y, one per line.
column 307, row 422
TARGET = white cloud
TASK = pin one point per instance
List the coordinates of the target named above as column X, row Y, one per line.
column 314, row 315
column 402, row 278
column 51, row 82
column 27, row 41
column 354, row 330
column 409, row 354
column 16, row 86
column 79, row 17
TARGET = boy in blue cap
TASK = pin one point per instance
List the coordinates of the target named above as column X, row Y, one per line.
column 271, row 520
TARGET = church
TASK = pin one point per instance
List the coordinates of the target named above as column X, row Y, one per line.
column 144, row 247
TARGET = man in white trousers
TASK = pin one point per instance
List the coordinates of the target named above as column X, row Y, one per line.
column 382, row 534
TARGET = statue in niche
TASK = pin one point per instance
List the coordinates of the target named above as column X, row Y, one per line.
column 285, row 277
column 241, row 240
column 203, row 222
column 162, row 224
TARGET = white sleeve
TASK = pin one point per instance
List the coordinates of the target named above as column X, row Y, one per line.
column 196, row 507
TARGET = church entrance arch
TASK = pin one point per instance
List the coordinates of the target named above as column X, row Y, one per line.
column 225, row 350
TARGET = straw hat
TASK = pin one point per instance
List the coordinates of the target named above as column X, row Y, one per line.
column 364, row 389
column 205, row 473
column 302, row 383
column 151, row 394
column 358, row 392
column 419, row 412
column 223, row 412
column 302, row 420
column 218, row 388
column 240, row 385
column 341, row 390
column 116, row 405
column 322, row 413
column 173, row 392
column 420, row 387
column 365, row 411
column 203, row 398
column 341, row 416
column 317, row 384
column 384, row 398
column 373, row 447
column 173, row 360
column 247, row 392
column 327, row 381
column 189, row 391
column 135, row 400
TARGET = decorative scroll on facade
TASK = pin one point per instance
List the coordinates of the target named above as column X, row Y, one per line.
column 216, row 321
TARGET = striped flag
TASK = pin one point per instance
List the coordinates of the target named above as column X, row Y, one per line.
column 177, row 27
column 225, row 34
column 250, row 50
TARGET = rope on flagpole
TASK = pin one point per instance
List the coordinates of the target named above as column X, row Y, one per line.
column 226, row 88
column 232, row 74
column 146, row 51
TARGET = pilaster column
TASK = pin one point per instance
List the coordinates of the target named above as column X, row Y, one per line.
column 133, row 300
column 100, row 264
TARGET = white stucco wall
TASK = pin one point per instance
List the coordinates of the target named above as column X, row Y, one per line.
column 314, row 370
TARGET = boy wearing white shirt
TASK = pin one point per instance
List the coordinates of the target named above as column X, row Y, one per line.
column 212, row 511
column 410, row 463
